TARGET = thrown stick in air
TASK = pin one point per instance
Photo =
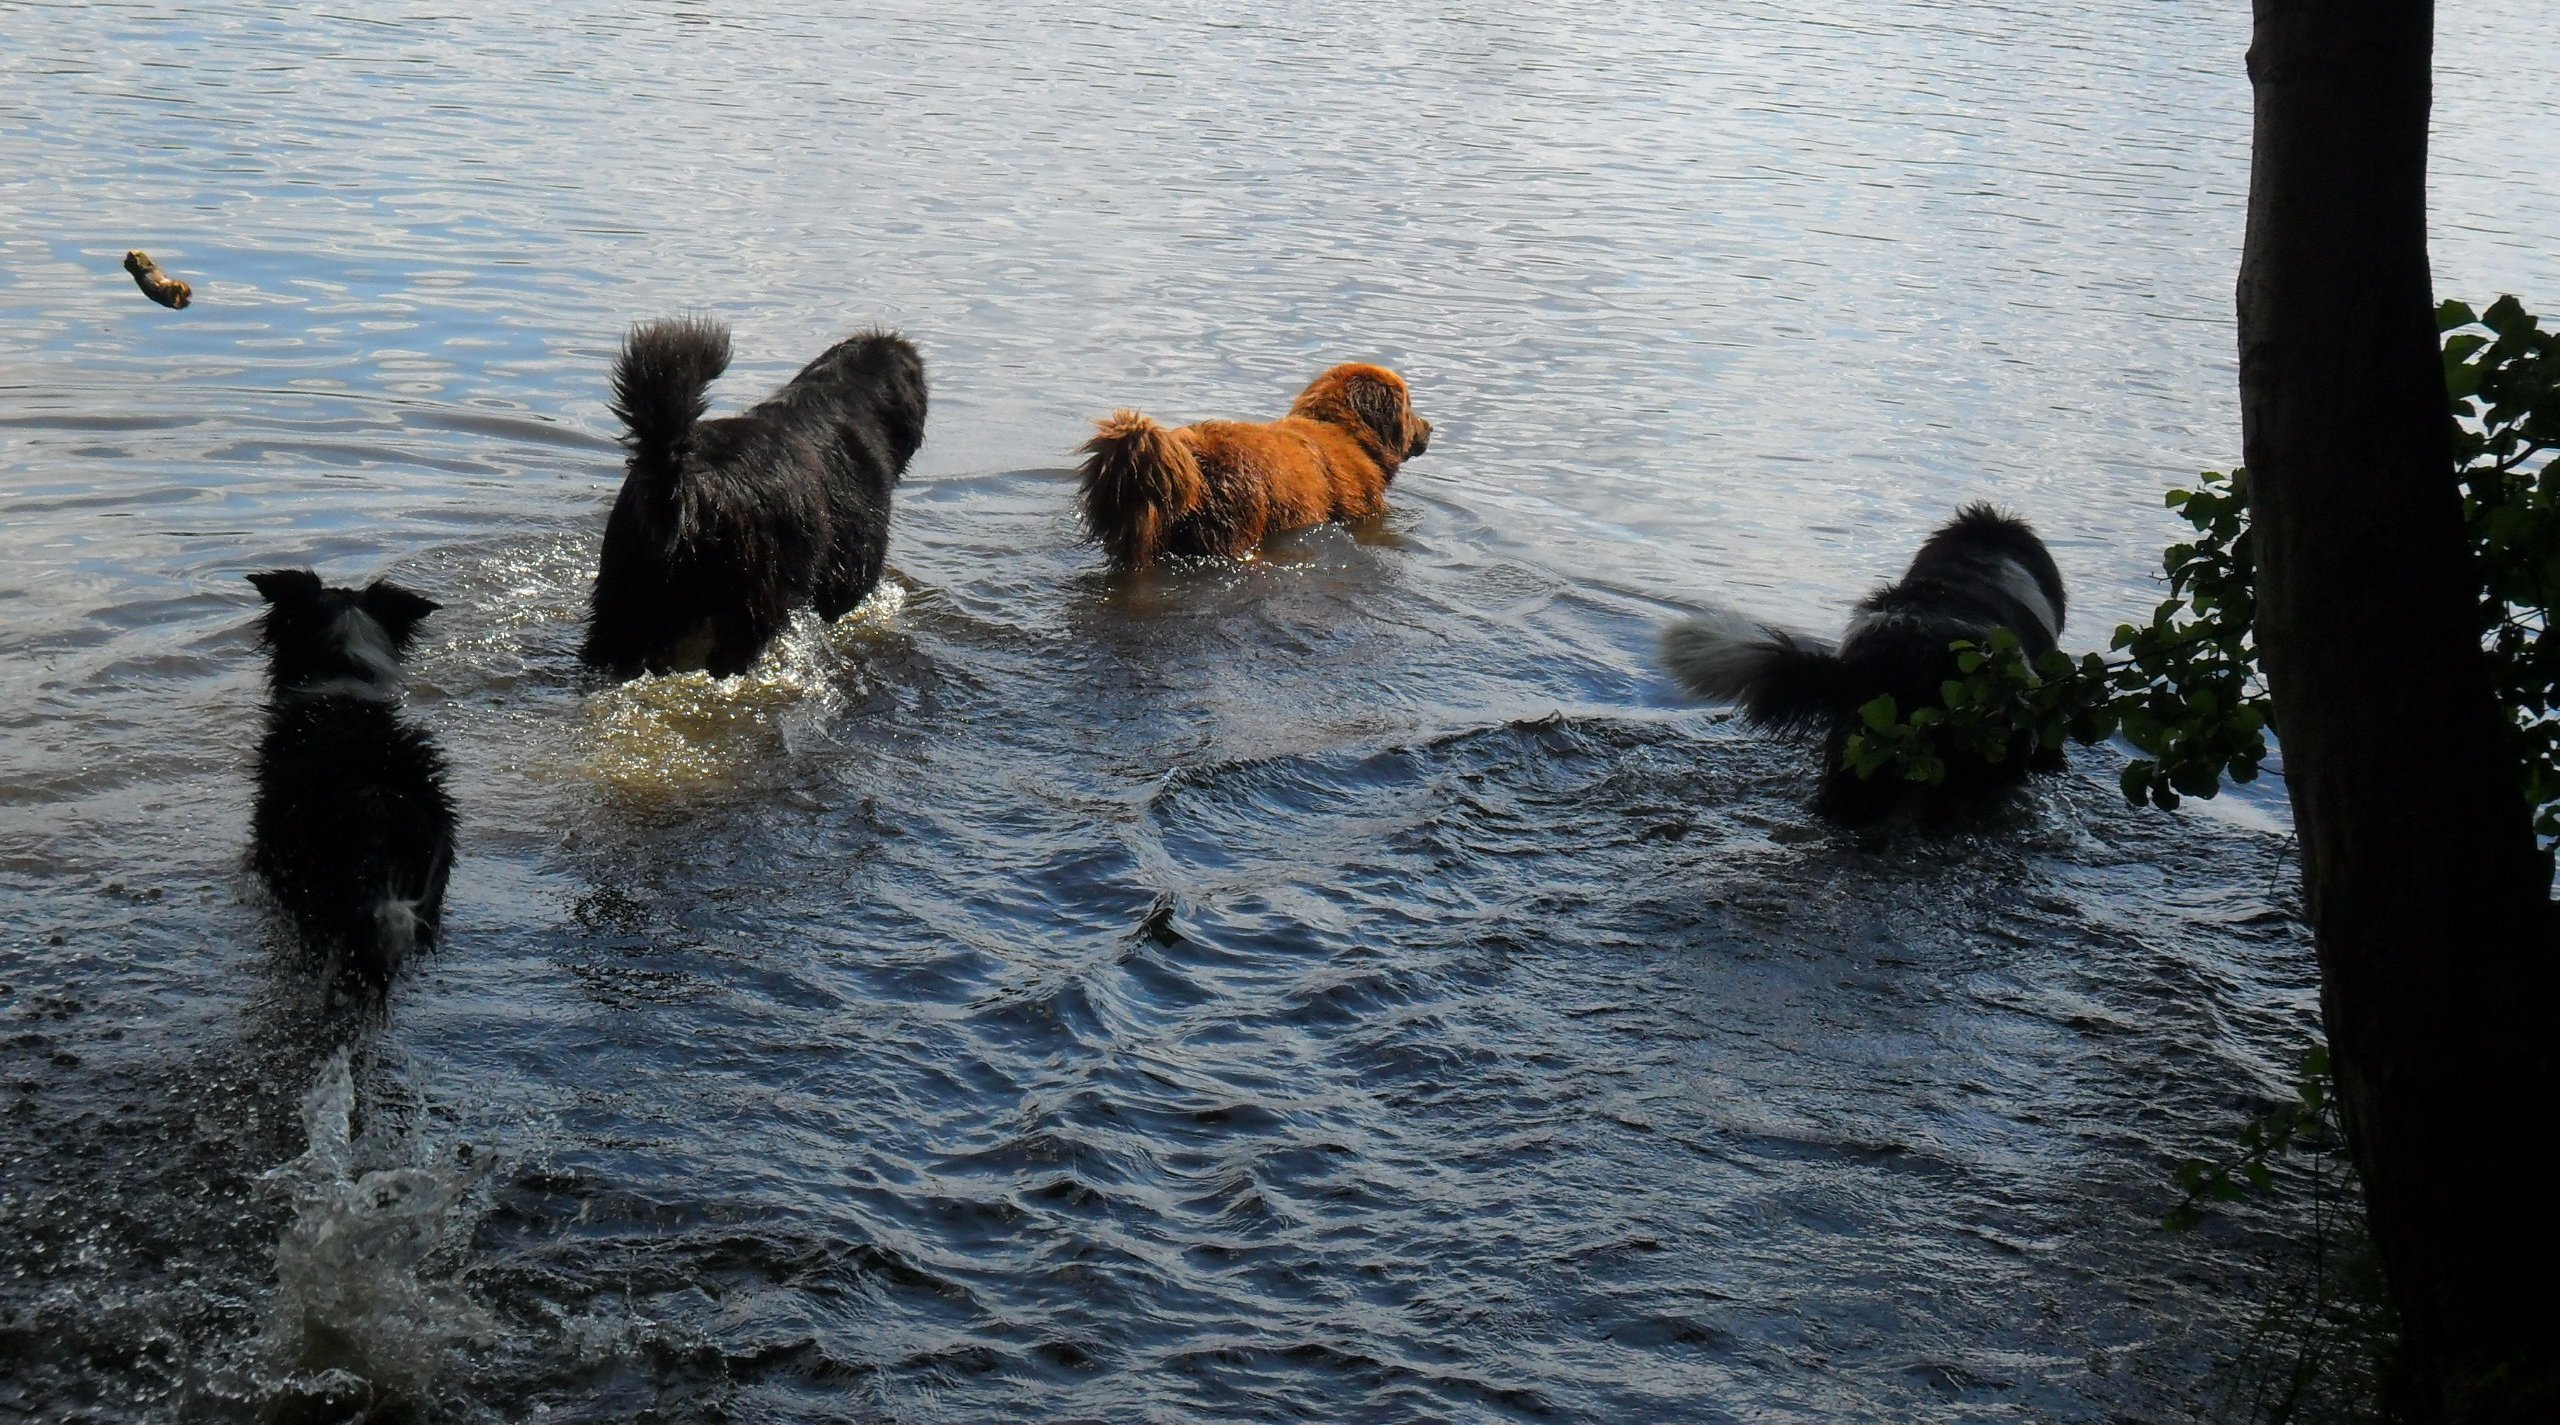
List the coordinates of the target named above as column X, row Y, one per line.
column 157, row 285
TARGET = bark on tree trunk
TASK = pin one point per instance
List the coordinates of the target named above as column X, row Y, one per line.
column 2418, row 862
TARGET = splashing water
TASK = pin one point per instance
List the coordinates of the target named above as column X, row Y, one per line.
column 362, row 1294
column 682, row 732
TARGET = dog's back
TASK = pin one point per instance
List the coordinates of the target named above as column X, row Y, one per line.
column 724, row 526
column 352, row 828
column 1981, row 570
column 861, row 404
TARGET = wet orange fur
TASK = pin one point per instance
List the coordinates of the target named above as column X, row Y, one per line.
column 1223, row 487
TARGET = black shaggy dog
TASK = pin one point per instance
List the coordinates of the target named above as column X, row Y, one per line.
column 353, row 830
column 725, row 526
column 1982, row 571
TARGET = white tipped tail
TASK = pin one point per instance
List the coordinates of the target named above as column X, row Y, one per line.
column 1778, row 679
column 1719, row 654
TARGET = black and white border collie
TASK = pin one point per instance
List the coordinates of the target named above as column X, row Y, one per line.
column 1983, row 570
column 353, row 829
column 725, row 526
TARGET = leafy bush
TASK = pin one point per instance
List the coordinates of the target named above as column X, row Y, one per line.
column 2502, row 371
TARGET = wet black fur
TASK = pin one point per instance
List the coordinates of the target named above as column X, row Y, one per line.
column 725, row 526
column 1896, row 643
column 353, row 828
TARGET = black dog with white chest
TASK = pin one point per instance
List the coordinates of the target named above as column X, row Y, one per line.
column 353, row 829
column 1981, row 571
column 725, row 526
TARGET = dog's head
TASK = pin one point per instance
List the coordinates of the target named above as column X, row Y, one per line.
column 324, row 641
column 1372, row 401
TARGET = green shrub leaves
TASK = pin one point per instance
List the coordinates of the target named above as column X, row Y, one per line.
column 2505, row 387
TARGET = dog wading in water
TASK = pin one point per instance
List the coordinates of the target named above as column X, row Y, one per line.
column 1981, row 571
column 723, row 527
column 353, row 828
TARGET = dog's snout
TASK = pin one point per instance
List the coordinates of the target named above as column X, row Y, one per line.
column 1421, row 438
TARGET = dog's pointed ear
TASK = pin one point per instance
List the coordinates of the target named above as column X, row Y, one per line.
column 287, row 586
column 396, row 609
column 1380, row 403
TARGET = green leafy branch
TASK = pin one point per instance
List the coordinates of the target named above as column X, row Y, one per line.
column 2502, row 373
column 2000, row 704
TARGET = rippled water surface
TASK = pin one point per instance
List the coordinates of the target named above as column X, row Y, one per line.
column 1345, row 986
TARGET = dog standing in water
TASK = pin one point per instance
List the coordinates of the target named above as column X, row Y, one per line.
column 1222, row 487
column 723, row 527
column 353, row 829
column 1981, row 571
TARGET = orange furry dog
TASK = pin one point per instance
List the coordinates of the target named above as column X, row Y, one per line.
column 1221, row 487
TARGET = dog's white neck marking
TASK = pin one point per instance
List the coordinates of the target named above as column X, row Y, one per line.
column 2019, row 584
column 366, row 644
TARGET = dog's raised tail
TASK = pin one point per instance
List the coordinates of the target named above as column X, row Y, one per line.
column 1137, row 478
column 1778, row 679
column 659, row 385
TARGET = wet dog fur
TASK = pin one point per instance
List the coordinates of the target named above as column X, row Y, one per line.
column 1222, row 487
column 1983, row 570
column 723, row 527
column 353, row 828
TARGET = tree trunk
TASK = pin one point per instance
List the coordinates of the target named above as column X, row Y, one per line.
column 2419, row 870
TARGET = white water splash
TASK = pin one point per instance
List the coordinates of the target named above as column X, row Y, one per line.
column 679, row 731
column 364, row 1279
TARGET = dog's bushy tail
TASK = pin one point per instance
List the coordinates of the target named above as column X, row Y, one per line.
column 1137, row 478
column 659, row 384
column 1779, row 679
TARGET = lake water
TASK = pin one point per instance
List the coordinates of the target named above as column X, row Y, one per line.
column 1348, row 986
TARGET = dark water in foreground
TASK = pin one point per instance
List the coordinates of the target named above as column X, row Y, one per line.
column 1348, row 986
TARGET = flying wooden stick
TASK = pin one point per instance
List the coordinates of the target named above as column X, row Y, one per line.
column 157, row 285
